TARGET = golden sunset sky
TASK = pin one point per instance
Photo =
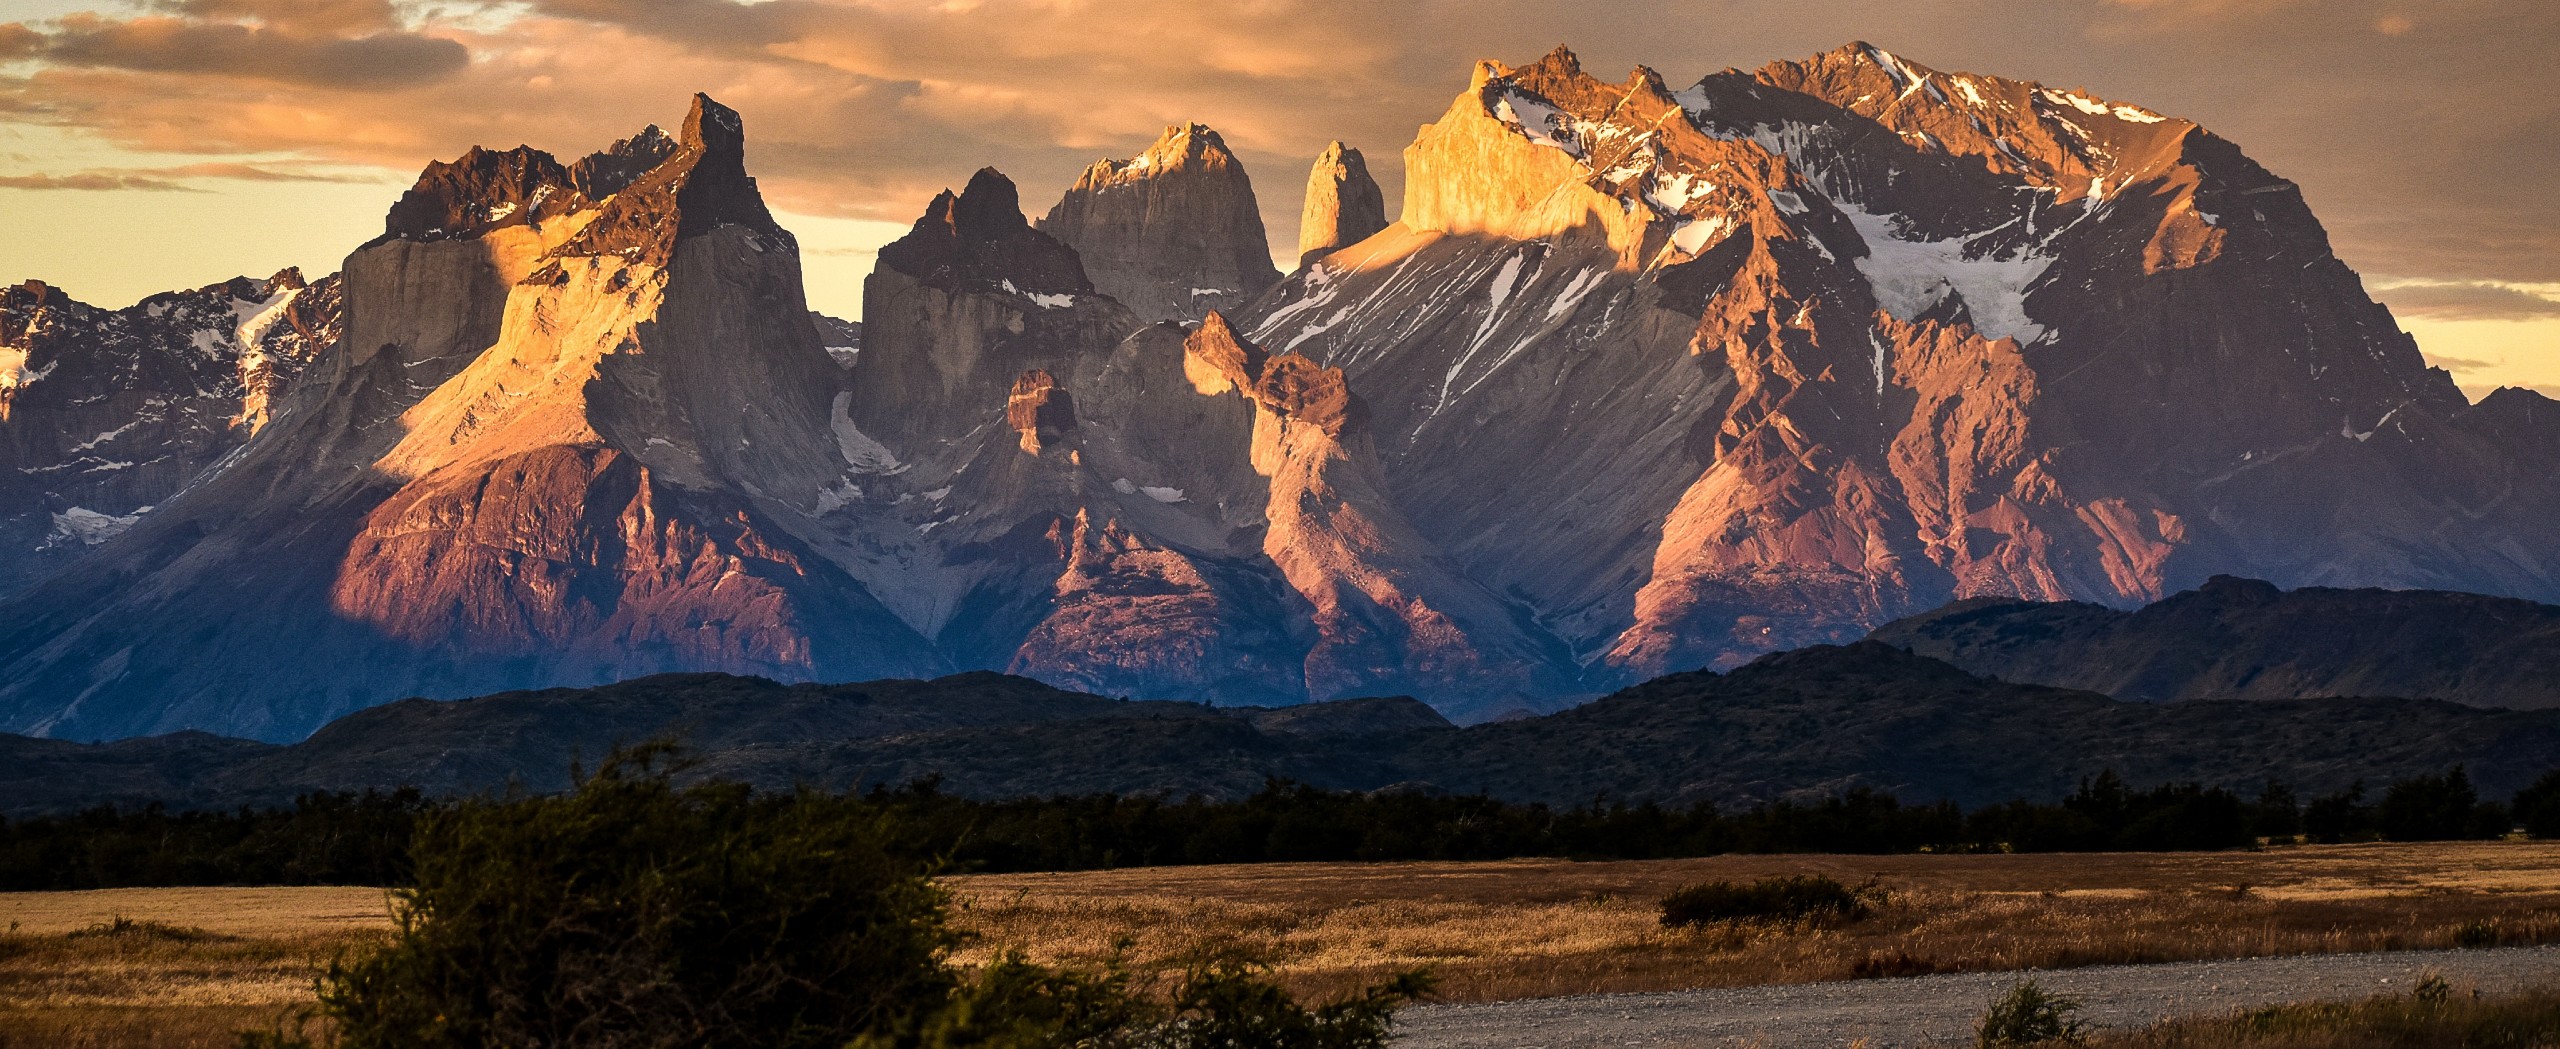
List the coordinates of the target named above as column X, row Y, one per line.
column 154, row 144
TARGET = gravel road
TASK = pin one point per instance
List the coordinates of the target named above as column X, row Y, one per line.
column 1936, row 1010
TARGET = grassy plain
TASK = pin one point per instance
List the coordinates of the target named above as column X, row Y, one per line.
column 2456, row 1021
column 189, row 966
column 1531, row 928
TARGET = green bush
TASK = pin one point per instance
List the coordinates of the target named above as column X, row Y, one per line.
column 2537, row 807
column 2027, row 1015
column 1799, row 898
column 634, row 913
column 2437, row 808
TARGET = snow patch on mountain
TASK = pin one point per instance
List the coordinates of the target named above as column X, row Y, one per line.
column 1542, row 123
column 14, row 372
column 1695, row 236
column 838, row 497
column 89, row 527
column 1912, row 276
column 864, row 454
column 255, row 319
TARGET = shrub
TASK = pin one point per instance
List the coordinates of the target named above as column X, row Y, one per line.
column 2430, row 808
column 630, row 912
column 2343, row 816
column 633, row 913
column 2537, row 807
column 1800, row 898
column 2477, row 933
column 2027, row 1015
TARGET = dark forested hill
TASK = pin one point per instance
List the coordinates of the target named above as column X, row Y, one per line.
column 1807, row 723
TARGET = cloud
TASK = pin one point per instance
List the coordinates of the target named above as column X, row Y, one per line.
column 169, row 179
column 18, row 41
column 96, row 181
column 2469, row 299
column 2421, row 152
column 309, row 16
column 283, row 51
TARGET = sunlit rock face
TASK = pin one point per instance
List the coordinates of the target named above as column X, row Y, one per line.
column 1344, row 205
column 563, row 438
column 1172, row 232
column 1644, row 377
column 1697, row 372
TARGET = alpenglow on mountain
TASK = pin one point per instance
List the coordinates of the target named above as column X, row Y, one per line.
column 1639, row 379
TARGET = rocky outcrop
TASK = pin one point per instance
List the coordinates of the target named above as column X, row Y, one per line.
column 1642, row 379
column 1847, row 338
column 554, row 446
column 1173, row 232
column 106, row 414
column 1344, row 206
column 1388, row 613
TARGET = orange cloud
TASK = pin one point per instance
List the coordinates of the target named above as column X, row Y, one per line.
column 186, row 46
column 2422, row 152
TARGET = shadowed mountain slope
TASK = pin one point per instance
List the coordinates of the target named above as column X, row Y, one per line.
column 2245, row 639
column 1796, row 725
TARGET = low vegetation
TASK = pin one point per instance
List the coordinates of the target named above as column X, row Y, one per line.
column 2030, row 1015
column 2433, row 1016
column 631, row 913
column 1791, row 899
column 1486, row 931
column 1527, row 928
column 362, row 839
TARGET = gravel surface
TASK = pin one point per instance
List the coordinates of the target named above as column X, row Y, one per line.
column 1938, row 1010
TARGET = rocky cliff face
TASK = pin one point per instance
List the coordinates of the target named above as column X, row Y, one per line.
column 1344, row 206
column 1642, row 379
column 559, row 442
column 1172, row 232
column 1846, row 338
column 105, row 414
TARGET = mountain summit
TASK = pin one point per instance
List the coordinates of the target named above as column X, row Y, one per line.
column 1173, row 232
column 1642, row 378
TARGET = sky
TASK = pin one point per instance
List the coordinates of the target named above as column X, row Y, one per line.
column 156, row 144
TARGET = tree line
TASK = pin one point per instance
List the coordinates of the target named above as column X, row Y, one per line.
column 364, row 838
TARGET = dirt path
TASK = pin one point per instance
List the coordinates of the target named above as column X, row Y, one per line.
column 1937, row 1010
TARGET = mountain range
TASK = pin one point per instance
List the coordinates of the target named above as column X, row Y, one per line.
column 1638, row 380
column 1801, row 725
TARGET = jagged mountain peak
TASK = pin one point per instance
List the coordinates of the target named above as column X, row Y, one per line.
column 1172, row 232
column 481, row 191
column 1643, row 380
column 701, row 186
column 607, row 171
column 988, row 207
column 979, row 239
column 1182, row 147
column 2063, row 138
column 1344, row 205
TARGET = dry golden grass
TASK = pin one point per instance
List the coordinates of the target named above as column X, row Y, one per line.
column 120, row 1027
column 227, row 911
column 1536, row 927
column 219, row 960
column 2458, row 1021
column 127, row 982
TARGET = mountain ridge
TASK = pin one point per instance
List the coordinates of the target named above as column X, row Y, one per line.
column 1642, row 379
column 1800, row 725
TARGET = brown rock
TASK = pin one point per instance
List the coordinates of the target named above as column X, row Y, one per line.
column 1344, row 206
column 1173, row 232
column 1038, row 410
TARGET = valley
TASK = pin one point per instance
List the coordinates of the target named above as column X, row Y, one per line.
column 194, row 964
